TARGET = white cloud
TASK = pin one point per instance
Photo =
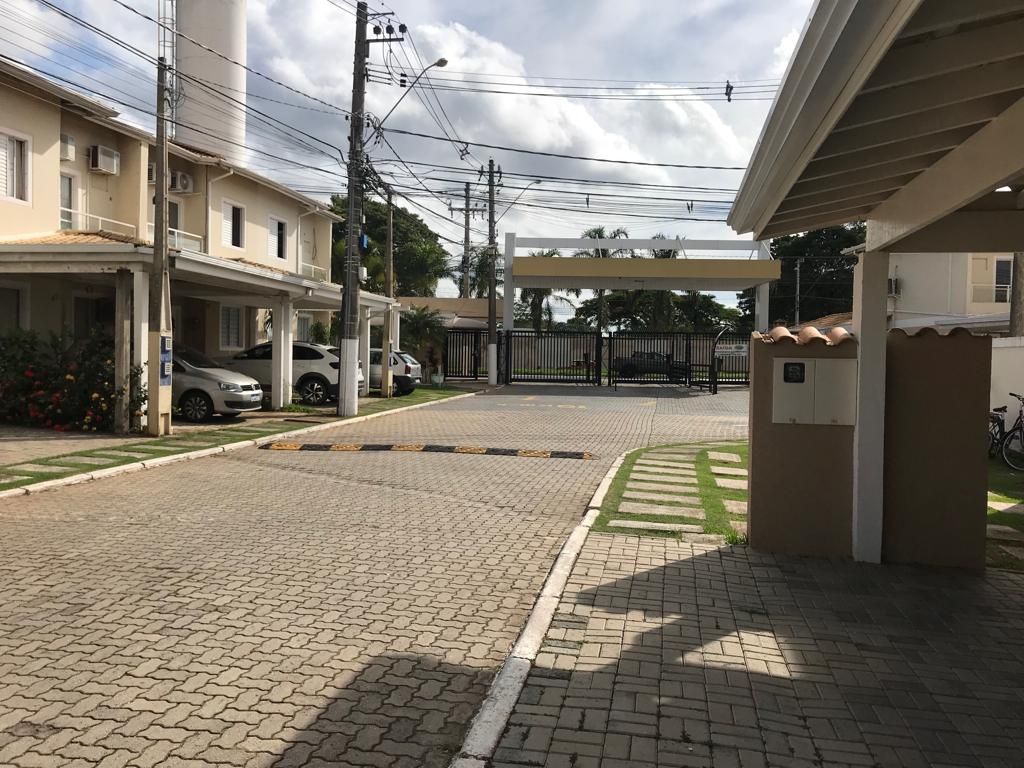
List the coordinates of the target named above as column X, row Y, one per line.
column 784, row 52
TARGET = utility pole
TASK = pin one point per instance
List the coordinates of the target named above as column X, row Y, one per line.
column 348, row 393
column 492, row 290
column 389, row 291
column 465, row 245
column 158, row 409
column 1017, row 295
column 796, row 297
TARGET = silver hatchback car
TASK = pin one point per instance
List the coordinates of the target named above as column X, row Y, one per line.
column 201, row 387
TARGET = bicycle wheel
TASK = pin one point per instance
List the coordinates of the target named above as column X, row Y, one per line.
column 1013, row 450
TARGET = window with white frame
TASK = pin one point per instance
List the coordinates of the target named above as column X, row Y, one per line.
column 14, row 157
column 303, row 323
column 230, row 327
column 232, row 224
column 1004, row 279
column 277, row 239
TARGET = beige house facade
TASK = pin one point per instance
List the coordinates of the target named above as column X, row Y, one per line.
column 77, row 206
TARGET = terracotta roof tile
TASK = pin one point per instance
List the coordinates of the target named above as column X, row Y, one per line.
column 829, row 321
column 73, row 237
column 807, row 335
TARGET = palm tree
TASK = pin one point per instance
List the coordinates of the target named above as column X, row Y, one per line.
column 539, row 300
column 423, row 333
column 599, row 233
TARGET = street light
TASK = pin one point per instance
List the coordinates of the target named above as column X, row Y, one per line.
column 442, row 62
column 509, row 208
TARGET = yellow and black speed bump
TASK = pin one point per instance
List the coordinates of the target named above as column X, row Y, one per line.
column 427, row 448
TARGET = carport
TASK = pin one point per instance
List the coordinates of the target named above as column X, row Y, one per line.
column 907, row 114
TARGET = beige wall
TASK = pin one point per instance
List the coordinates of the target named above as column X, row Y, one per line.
column 801, row 487
column 930, row 284
column 1007, row 375
column 936, row 471
column 37, row 121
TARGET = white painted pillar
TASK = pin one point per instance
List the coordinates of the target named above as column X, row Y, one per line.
column 508, row 318
column 870, row 327
column 762, row 322
column 396, row 325
column 364, row 350
column 123, row 286
column 281, row 354
column 140, row 325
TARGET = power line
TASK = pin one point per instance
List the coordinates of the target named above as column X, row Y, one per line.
column 569, row 157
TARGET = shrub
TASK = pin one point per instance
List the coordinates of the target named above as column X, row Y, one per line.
column 319, row 333
column 63, row 385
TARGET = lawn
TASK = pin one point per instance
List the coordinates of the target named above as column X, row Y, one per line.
column 1004, row 485
column 710, row 496
column 192, row 440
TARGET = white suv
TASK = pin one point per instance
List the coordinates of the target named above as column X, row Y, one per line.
column 314, row 369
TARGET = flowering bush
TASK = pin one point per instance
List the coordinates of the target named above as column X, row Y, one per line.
column 63, row 385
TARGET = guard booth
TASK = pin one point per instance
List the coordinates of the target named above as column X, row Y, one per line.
column 803, row 416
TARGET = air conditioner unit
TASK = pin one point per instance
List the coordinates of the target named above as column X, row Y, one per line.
column 151, row 173
column 182, row 183
column 104, row 160
column 893, row 286
column 67, row 147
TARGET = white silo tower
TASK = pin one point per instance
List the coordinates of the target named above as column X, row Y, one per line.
column 207, row 120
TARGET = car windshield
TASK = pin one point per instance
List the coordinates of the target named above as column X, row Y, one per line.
column 408, row 358
column 194, row 358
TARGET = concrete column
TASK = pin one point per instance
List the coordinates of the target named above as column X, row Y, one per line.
column 762, row 321
column 364, row 350
column 870, row 327
column 122, row 348
column 281, row 363
column 396, row 325
column 508, row 317
column 140, row 325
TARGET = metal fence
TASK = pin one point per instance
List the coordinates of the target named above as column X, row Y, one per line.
column 465, row 354
column 555, row 356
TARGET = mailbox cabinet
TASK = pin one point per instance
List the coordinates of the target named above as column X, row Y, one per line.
column 814, row 391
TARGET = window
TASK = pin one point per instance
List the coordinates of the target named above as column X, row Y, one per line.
column 232, row 225
column 300, row 352
column 230, row 327
column 1004, row 279
column 303, row 322
column 10, row 309
column 13, row 167
column 67, row 201
column 277, row 239
column 173, row 214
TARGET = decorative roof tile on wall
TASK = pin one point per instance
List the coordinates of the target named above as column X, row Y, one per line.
column 807, row 335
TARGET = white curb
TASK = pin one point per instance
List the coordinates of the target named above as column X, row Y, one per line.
column 160, row 461
column 489, row 723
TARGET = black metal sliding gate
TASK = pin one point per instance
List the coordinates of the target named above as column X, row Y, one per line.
column 465, row 354
column 572, row 357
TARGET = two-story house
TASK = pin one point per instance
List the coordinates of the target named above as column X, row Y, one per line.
column 77, row 208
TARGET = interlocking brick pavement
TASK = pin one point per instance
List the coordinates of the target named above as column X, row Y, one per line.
column 664, row 653
column 283, row 609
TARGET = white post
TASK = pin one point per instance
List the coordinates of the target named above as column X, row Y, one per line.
column 508, row 318
column 140, row 325
column 869, row 326
column 396, row 325
column 761, row 320
column 281, row 354
column 364, row 350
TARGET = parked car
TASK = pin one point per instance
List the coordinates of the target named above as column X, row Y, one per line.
column 640, row 364
column 201, row 387
column 314, row 369
column 405, row 371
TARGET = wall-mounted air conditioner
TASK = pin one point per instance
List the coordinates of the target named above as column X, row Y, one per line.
column 67, row 147
column 151, row 173
column 181, row 183
column 893, row 286
column 104, row 160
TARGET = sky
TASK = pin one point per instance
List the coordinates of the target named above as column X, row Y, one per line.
column 308, row 45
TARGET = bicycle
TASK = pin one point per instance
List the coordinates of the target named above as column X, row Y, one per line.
column 1012, row 447
column 996, row 430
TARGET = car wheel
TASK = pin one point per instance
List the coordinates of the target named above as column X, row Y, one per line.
column 313, row 390
column 195, row 406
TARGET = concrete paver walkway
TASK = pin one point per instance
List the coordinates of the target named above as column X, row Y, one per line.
column 266, row 608
column 664, row 653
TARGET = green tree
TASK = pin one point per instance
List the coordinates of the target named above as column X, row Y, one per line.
column 539, row 300
column 419, row 260
column 826, row 276
column 423, row 334
column 599, row 233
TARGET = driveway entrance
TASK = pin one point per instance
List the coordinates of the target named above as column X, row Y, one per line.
column 274, row 608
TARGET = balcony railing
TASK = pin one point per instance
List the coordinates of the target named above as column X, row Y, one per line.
column 982, row 293
column 89, row 222
column 180, row 240
column 313, row 272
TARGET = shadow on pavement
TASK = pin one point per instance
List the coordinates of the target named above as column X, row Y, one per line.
column 733, row 658
column 401, row 711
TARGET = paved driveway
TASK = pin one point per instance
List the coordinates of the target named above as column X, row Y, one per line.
column 273, row 609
